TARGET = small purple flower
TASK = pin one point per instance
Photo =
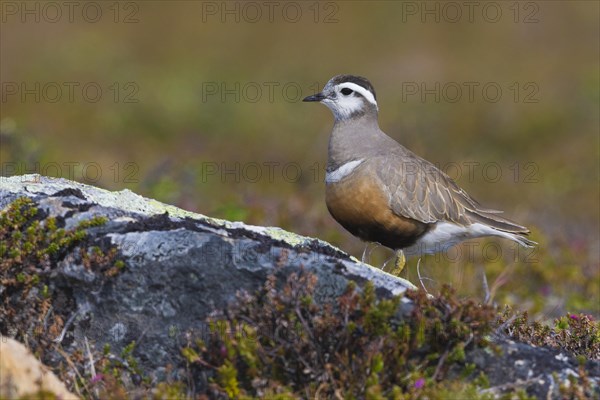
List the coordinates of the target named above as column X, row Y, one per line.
column 546, row 290
column 574, row 316
column 420, row 383
column 97, row 378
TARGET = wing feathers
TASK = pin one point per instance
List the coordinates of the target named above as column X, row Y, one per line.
column 420, row 191
column 497, row 222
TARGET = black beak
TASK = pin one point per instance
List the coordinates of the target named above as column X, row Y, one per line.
column 315, row 97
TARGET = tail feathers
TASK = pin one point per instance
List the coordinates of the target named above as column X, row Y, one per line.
column 504, row 227
column 497, row 222
column 522, row 240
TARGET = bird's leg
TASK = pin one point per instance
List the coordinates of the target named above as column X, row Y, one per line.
column 367, row 252
column 386, row 263
column 399, row 264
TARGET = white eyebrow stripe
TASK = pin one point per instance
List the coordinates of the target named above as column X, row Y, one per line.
column 357, row 88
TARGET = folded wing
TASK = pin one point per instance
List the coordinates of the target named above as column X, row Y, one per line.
column 419, row 190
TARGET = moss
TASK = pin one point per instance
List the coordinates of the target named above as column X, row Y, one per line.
column 33, row 245
column 93, row 222
column 576, row 334
column 356, row 347
column 579, row 387
column 164, row 390
column 227, row 378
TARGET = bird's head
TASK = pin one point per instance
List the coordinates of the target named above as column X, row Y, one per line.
column 347, row 96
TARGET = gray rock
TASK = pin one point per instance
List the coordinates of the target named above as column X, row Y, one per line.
column 182, row 266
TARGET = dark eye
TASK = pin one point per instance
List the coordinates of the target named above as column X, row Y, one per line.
column 346, row 91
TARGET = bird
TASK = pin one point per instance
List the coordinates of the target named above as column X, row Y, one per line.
column 381, row 192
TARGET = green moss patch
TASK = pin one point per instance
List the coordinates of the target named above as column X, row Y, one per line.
column 283, row 345
column 31, row 247
column 575, row 334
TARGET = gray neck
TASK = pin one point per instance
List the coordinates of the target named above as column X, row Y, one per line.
column 356, row 138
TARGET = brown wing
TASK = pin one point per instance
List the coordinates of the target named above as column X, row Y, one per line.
column 420, row 191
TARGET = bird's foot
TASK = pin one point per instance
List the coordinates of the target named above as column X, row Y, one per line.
column 398, row 265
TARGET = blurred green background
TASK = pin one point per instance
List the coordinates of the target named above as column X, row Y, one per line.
column 197, row 104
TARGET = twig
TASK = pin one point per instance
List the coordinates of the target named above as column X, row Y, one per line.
column 501, row 280
column 91, row 358
column 84, row 308
column 362, row 259
column 420, row 277
column 499, row 329
column 484, row 283
column 440, row 364
column 304, row 324
column 48, row 313
column 72, row 365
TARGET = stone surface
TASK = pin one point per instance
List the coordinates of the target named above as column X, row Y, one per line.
column 181, row 266
column 539, row 371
